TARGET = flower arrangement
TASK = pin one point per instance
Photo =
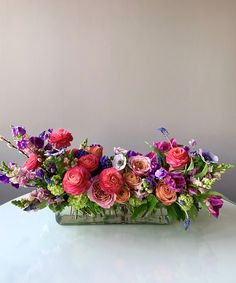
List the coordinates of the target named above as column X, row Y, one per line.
column 172, row 176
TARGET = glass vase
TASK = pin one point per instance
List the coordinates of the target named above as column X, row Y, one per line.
column 121, row 215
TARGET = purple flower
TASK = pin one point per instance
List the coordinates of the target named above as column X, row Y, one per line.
column 164, row 145
column 208, row 157
column 55, row 152
column 37, row 142
column 214, row 203
column 163, row 131
column 80, row 153
column 105, row 162
column 22, row 144
column 175, row 181
column 161, row 173
column 131, row 153
column 154, row 162
column 186, row 148
column 45, row 134
column 40, row 173
column 187, row 223
column 18, row 131
column 4, row 179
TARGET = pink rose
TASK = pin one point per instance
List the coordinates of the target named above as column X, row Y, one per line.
column 76, row 180
column 60, row 138
column 97, row 195
column 140, row 165
column 31, row 163
column 110, row 180
column 177, row 157
column 89, row 161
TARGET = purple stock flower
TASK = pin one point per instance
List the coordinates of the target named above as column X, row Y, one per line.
column 18, row 131
column 164, row 145
column 45, row 134
column 208, row 157
column 214, row 203
column 37, row 142
column 154, row 162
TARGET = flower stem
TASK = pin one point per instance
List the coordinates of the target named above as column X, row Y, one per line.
column 11, row 145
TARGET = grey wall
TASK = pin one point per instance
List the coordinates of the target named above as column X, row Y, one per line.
column 116, row 70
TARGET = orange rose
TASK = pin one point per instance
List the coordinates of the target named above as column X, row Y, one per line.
column 132, row 180
column 165, row 194
column 123, row 195
column 96, row 150
column 177, row 158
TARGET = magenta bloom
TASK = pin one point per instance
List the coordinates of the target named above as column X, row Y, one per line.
column 214, row 204
column 175, row 181
column 97, row 195
column 164, row 145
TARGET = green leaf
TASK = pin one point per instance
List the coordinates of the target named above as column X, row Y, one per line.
column 42, row 205
column 84, row 144
column 139, row 210
column 193, row 212
column 152, row 202
column 191, row 166
column 204, row 196
column 203, row 172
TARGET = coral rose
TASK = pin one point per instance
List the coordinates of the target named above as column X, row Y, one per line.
column 96, row 150
column 76, row 180
column 97, row 195
column 165, row 194
column 110, row 180
column 123, row 195
column 132, row 180
column 140, row 165
column 60, row 138
column 89, row 161
column 31, row 163
column 177, row 158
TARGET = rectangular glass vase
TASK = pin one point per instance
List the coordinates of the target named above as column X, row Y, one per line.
column 70, row 216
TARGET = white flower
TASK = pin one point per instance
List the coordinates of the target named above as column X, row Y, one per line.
column 119, row 161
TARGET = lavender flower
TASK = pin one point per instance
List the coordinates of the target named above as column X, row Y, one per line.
column 192, row 142
column 161, row 173
column 132, row 153
column 208, row 157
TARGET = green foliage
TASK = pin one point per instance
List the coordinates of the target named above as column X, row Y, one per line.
column 175, row 212
column 84, row 144
column 78, row 202
column 203, row 172
column 58, row 207
column 139, row 211
column 22, row 203
column 56, row 190
column 186, row 201
column 221, row 168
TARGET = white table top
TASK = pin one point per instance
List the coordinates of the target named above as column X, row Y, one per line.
column 34, row 248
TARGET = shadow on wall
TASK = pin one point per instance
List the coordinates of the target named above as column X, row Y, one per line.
column 8, row 193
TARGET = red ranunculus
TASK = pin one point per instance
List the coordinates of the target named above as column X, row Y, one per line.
column 60, row 138
column 76, row 180
column 31, row 163
column 110, row 180
column 89, row 161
